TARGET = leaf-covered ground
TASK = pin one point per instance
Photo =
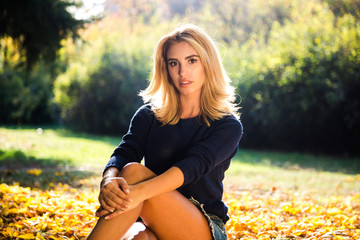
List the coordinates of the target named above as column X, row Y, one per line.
column 65, row 212
column 281, row 215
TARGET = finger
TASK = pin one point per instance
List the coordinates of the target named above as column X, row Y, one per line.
column 102, row 213
column 116, row 187
column 101, row 209
column 114, row 214
column 114, row 199
column 109, row 193
column 120, row 188
column 112, row 202
column 106, row 207
column 124, row 186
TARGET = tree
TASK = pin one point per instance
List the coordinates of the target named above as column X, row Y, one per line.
column 37, row 27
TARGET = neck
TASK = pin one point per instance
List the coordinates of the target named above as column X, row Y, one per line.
column 189, row 107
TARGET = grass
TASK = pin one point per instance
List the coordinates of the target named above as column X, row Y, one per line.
column 68, row 157
column 303, row 173
column 58, row 144
column 62, row 155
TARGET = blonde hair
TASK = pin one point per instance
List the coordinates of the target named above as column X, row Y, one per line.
column 217, row 95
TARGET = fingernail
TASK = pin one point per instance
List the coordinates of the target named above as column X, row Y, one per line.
column 112, row 210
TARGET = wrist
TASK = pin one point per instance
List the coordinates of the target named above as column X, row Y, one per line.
column 109, row 173
column 143, row 190
column 103, row 181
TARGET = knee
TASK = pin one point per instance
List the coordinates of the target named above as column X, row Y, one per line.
column 134, row 168
column 136, row 172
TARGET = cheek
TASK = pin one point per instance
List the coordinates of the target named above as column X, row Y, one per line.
column 202, row 75
column 173, row 74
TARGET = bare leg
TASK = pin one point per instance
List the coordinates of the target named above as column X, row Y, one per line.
column 169, row 215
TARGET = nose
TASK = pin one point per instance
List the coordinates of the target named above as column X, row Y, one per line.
column 182, row 70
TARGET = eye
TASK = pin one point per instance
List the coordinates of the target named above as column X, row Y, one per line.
column 172, row 63
column 192, row 60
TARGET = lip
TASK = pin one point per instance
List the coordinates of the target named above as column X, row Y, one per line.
column 184, row 82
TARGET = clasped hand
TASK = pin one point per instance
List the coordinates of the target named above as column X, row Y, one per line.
column 114, row 197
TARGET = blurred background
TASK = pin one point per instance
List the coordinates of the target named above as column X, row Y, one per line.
column 80, row 65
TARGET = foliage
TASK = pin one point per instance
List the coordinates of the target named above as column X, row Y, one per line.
column 106, row 101
column 30, row 36
column 280, row 215
column 37, row 27
column 342, row 7
column 26, row 96
column 60, row 213
column 65, row 212
column 298, row 86
column 237, row 21
column 98, row 92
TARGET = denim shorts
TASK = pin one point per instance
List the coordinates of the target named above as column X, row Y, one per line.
column 216, row 225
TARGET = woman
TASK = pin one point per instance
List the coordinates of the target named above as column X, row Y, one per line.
column 187, row 134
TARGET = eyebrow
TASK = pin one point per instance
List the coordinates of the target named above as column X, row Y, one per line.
column 191, row 56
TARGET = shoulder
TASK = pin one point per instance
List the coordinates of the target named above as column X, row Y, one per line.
column 229, row 124
column 228, row 120
column 144, row 110
column 144, row 113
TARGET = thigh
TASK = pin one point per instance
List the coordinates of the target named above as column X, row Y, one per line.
column 172, row 216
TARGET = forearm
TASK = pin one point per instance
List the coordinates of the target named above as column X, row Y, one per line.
column 166, row 182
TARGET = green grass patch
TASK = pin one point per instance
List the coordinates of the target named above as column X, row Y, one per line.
column 303, row 173
column 59, row 145
column 61, row 155
column 69, row 157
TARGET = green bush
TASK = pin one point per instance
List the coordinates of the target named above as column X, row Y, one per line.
column 108, row 99
column 98, row 93
column 26, row 97
column 105, row 100
column 302, row 94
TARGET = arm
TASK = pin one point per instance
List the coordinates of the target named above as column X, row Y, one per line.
column 166, row 182
column 113, row 192
column 219, row 146
column 132, row 146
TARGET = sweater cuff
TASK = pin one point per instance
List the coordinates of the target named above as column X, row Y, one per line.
column 115, row 161
column 188, row 171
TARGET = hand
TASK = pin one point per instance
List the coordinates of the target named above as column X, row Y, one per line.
column 135, row 200
column 114, row 195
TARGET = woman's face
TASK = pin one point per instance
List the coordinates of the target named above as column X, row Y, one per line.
column 186, row 69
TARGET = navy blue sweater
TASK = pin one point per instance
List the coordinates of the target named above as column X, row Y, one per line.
column 202, row 153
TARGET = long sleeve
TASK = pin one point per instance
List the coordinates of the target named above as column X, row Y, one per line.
column 220, row 146
column 132, row 147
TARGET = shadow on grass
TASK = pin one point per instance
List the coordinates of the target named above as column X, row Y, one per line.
column 64, row 132
column 295, row 161
column 112, row 140
column 28, row 171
